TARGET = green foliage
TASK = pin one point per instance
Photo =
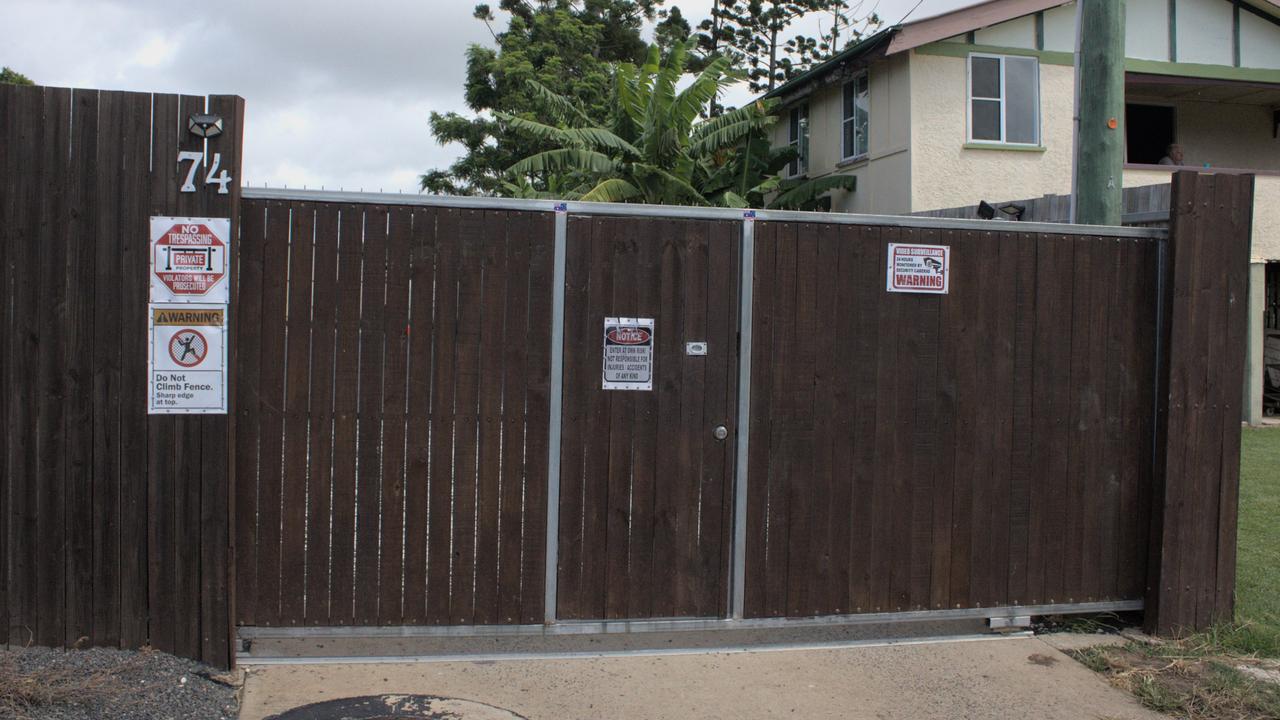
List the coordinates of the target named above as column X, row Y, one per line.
column 559, row 48
column 656, row 148
column 13, row 77
column 754, row 34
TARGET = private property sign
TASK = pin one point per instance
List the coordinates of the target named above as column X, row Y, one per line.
column 189, row 259
column 187, row 361
column 919, row 269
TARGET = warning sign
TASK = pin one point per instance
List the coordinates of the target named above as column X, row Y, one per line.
column 189, row 259
column 628, row 354
column 188, row 359
column 919, row 269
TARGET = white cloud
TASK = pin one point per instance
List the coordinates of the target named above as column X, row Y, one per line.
column 338, row 93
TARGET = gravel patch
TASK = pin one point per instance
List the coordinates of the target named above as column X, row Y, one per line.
column 46, row 684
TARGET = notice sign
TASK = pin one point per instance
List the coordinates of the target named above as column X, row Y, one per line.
column 188, row 359
column 919, row 269
column 628, row 353
column 189, row 259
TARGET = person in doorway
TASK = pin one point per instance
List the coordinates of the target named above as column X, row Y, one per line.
column 1172, row 155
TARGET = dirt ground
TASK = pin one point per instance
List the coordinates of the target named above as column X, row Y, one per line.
column 985, row 679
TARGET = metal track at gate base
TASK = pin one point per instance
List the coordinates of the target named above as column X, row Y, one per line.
column 245, row 659
column 683, row 624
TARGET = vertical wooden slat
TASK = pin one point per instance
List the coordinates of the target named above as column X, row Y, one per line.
column 867, row 295
column 248, row 357
column 493, row 322
column 1022, row 468
column 822, row 588
column 418, row 428
column 346, row 399
column 8, row 235
column 271, row 404
column 134, row 184
column 466, row 416
column 645, row 441
column 77, row 364
column 369, row 430
column 297, row 384
column 188, row 434
column 621, row 426
column 667, row 349
column 440, row 492
column 537, row 404
column 576, row 357
column 721, row 409
column 514, row 354
column 394, row 398
column 320, row 415
column 50, row 417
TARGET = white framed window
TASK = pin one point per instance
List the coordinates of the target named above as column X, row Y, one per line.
column 798, row 138
column 856, row 120
column 1004, row 99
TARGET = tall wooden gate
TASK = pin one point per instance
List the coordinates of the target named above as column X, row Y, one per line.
column 392, row 396
column 645, row 483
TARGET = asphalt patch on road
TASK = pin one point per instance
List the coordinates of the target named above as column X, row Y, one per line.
column 398, row 707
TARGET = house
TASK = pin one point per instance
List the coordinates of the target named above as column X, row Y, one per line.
column 977, row 104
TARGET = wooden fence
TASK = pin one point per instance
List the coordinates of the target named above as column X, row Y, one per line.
column 114, row 525
column 1146, row 205
column 989, row 447
column 1059, row 429
column 391, row 405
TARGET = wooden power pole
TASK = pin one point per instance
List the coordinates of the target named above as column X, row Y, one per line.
column 1100, row 118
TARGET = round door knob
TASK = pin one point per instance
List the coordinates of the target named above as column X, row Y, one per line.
column 721, row 432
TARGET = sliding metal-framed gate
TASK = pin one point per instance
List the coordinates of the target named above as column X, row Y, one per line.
column 422, row 421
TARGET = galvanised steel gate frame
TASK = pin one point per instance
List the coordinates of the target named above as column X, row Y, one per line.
column 748, row 220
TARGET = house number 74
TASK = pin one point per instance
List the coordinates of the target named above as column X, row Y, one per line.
column 213, row 177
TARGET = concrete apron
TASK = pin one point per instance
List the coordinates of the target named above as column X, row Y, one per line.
column 1012, row 677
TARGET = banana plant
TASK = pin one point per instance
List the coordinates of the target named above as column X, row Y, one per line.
column 657, row 149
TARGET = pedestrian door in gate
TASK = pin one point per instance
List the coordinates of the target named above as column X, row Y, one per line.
column 646, row 476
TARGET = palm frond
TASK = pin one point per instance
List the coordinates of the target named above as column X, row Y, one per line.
column 612, row 190
column 805, row 194
column 692, row 100
column 595, row 138
column 563, row 160
column 682, row 188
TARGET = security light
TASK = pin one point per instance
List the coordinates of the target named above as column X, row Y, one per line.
column 205, row 126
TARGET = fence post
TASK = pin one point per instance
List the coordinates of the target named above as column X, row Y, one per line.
column 745, row 290
column 551, row 564
column 1196, row 473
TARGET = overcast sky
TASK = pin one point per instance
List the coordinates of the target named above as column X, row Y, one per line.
column 338, row 92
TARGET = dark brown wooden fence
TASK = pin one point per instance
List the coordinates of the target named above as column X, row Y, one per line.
column 113, row 528
column 1193, row 540
column 391, row 407
column 987, row 447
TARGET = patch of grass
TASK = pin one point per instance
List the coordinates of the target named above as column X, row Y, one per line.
column 1181, row 679
column 1257, row 627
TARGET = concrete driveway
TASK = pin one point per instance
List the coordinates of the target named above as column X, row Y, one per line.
column 1020, row 678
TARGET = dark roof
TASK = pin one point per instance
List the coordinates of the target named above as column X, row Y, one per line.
column 817, row 72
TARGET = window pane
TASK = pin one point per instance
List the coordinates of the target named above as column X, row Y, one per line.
column 794, row 129
column 848, row 101
column 850, row 145
column 862, row 118
column 986, row 77
column 986, row 120
column 1022, row 114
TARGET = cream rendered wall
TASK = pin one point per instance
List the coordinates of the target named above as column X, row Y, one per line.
column 945, row 174
column 1205, row 30
column 1019, row 32
column 1146, row 34
column 1259, row 42
column 884, row 178
column 1266, row 209
column 1060, row 28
